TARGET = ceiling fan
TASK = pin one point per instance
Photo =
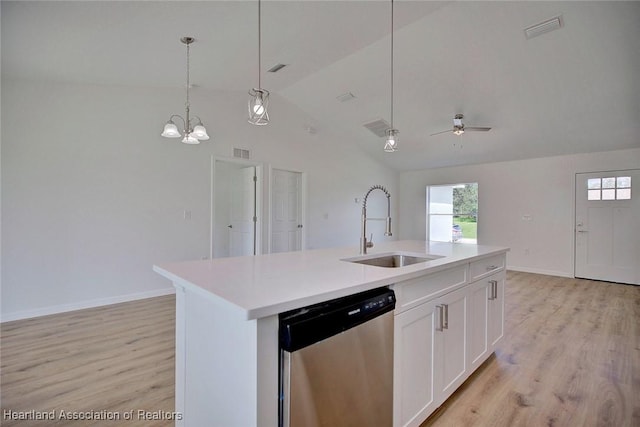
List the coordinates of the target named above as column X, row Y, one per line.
column 459, row 128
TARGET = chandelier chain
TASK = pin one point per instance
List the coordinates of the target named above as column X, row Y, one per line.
column 188, row 73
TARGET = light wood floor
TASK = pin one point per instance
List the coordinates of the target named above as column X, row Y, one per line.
column 570, row 357
column 116, row 358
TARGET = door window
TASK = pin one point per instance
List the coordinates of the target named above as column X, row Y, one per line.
column 609, row 188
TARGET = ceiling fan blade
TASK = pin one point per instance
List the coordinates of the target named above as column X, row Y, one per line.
column 476, row 129
column 444, row 131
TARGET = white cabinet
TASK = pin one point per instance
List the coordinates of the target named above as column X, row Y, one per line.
column 485, row 314
column 446, row 325
column 413, row 369
column 429, row 356
column 449, row 349
column 477, row 322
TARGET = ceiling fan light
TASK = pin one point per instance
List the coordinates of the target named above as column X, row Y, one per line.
column 190, row 139
column 458, row 131
column 170, row 130
column 258, row 103
column 200, row 133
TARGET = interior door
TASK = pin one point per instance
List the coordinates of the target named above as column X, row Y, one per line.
column 607, row 226
column 286, row 211
column 242, row 216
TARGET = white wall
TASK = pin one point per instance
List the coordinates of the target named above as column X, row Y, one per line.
column 93, row 196
column 541, row 188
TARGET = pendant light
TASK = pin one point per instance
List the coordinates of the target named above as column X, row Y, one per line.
column 391, row 143
column 191, row 134
column 258, row 97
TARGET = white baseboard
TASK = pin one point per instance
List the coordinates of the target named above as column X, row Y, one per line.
column 45, row 311
column 540, row 271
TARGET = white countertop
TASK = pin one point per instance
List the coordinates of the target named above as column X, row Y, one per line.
column 264, row 285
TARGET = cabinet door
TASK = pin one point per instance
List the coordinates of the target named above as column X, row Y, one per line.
column 449, row 354
column 477, row 323
column 496, row 311
column 413, row 369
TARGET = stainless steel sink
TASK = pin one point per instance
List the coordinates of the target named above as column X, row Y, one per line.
column 392, row 260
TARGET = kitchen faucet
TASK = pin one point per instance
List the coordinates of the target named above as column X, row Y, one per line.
column 364, row 244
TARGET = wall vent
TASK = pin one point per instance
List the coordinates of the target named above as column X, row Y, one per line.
column 276, row 68
column 240, row 153
column 543, row 27
column 378, row 127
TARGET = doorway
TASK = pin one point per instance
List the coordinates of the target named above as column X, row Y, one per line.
column 452, row 213
column 287, row 190
column 236, row 200
column 607, row 229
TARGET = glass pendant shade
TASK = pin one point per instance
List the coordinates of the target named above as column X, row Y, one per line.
column 170, row 130
column 391, row 144
column 258, row 103
column 200, row 133
column 190, row 139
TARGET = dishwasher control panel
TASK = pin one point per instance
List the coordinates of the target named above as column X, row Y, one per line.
column 304, row 326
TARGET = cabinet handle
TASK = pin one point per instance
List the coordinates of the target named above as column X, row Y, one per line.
column 440, row 325
column 445, row 323
column 493, row 291
column 492, row 267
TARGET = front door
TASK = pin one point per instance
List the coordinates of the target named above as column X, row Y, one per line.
column 607, row 226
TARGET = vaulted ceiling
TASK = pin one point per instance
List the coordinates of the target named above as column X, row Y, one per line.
column 572, row 90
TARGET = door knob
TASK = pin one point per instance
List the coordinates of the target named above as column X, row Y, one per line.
column 230, row 226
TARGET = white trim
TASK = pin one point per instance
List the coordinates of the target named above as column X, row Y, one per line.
column 63, row 308
column 540, row 271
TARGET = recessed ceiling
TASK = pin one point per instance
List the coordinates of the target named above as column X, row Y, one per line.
column 568, row 91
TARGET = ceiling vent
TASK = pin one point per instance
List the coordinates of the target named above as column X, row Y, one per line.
column 240, row 153
column 345, row 97
column 276, row 68
column 543, row 27
column 378, row 127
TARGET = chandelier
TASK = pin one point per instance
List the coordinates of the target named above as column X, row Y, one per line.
column 193, row 129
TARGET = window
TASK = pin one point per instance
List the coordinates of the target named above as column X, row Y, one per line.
column 610, row 188
column 452, row 213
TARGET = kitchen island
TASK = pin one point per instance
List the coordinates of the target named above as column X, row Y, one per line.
column 227, row 321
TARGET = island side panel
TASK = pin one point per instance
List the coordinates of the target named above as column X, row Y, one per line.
column 180, row 354
column 222, row 373
column 268, row 365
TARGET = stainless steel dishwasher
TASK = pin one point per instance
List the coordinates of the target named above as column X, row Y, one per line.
column 336, row 362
